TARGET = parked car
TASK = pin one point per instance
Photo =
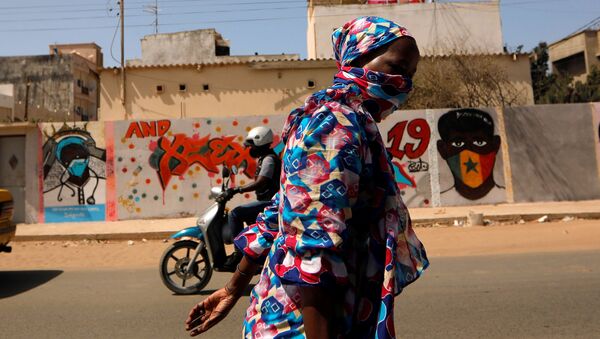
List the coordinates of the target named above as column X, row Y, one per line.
column 7, row 227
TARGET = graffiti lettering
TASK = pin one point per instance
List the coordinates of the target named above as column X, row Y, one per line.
column 417, row 129
column 418, row 166
column 174, row 157
column 144, row 129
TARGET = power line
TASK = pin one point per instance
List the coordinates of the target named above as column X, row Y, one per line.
column 164, row 14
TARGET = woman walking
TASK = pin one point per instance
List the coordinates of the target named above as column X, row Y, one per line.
column 337, row 241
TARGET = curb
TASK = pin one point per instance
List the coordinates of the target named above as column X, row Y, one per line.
column 424, row 222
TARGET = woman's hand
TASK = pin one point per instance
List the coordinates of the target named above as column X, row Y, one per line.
column 210, row 311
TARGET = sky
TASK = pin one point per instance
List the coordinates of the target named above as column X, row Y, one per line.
column 27, row 27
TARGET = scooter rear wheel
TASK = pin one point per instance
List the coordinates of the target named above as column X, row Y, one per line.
column 173, row 268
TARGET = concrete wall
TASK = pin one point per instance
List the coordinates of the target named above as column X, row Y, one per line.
column 157, row 168
column 274, row 87
column 552, row 151
column 183, row 47
column 47, row 83
column 51, row 87
column 440, row 28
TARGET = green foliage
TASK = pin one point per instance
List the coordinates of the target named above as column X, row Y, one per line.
column 556, row 88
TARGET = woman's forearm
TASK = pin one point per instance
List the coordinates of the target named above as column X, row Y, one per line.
column 316, row 309
column 241, row 277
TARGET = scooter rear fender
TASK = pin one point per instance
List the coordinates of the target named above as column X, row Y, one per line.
column 194, row 232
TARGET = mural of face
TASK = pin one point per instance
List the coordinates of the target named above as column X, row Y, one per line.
column 469, row 146
column 74, row 157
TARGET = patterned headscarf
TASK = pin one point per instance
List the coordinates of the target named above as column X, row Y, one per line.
column 363, row 35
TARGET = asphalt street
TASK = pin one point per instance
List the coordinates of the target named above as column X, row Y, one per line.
column 553, row 295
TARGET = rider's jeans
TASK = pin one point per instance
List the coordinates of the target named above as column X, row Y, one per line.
column 246, row 213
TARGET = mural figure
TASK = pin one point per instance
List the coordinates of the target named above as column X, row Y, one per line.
column 469, row 146
column 67, row 165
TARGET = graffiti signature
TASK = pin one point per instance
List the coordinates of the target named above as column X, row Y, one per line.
column 418, row 166
column 174, row 157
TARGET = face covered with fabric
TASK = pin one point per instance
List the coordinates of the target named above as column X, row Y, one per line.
column 381, row 58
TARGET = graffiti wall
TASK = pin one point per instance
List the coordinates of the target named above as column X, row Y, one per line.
column 73, row 170
column 165, row 168
column 122, row 170
column 408, row 136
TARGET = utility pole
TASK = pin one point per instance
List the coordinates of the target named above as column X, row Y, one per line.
column 123, row 88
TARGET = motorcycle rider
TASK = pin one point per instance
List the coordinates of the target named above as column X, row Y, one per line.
column 265, row 185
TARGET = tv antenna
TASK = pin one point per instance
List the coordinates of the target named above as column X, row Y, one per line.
column 153, row 9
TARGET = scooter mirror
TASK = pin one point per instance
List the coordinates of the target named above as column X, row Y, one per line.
column 225, row 172
column 234, row 169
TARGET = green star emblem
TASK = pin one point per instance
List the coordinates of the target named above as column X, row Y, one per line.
column 471, row 165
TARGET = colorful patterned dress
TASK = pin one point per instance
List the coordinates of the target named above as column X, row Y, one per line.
column 338, row 221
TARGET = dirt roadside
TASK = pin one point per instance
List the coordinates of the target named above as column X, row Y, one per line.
column 439, row 242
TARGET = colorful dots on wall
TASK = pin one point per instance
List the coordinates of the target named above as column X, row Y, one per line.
column 123, row 140
column 197, row 169
column 247, row 196
column 194, row 185
column 175, row 187
column 196, row 195
column 135, row 191
column 208, row 121
column 119, row 159
column 155, row 197
column 181, row 199
column 190, row 172
column 219, row 181
column 132, row 159
column 265, row 121
column 131, row 146
column 242, row 182
column 234, row 123
column 138, row 210
column 197, row 125
column 143, row 195
column 248, row 128
column 124, row 170
column 218, row 129
column 148, row 181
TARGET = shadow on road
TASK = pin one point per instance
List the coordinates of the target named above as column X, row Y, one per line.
column 16, row 282
column 211, row 291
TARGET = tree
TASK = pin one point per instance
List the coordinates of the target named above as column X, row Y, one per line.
column 558, row 88
column 457, row 80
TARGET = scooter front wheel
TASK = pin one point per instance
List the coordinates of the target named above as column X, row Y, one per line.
column 174, row 268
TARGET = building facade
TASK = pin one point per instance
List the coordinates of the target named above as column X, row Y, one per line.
column 576, row 54
column 446, row 28
column 61, row 86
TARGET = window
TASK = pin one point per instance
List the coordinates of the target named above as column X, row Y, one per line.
column 310, row 84
column 182, row 87
column 160, row 89
column 205, row 87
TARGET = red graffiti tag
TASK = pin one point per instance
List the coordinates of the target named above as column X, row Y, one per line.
column 417, row 129
column 144, row 129
column 174, row 157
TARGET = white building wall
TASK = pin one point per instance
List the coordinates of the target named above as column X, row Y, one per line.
column 440, row 28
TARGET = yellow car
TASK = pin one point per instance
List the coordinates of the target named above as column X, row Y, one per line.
column 7, row 228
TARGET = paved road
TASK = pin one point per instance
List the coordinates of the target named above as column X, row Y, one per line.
column 526, row 296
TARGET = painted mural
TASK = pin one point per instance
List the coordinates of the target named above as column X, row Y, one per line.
column 408, row 138
column 74, row 172
column 166, row 167
column 470, row 166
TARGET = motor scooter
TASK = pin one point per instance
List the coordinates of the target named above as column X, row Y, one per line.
column 187, row 265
